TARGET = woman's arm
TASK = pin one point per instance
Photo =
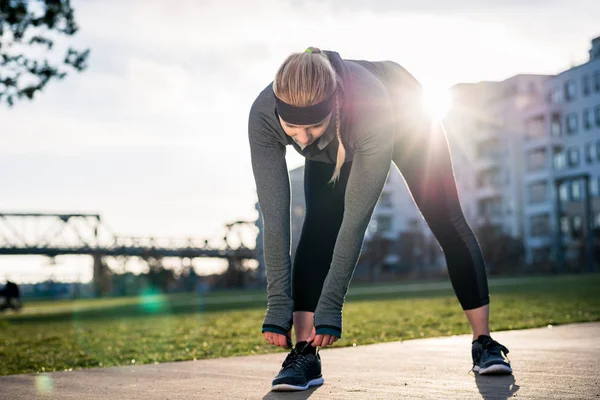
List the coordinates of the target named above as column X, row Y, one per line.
column 370, row 168
column 273, row 189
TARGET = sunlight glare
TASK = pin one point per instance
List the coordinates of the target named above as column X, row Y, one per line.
column 437, row 101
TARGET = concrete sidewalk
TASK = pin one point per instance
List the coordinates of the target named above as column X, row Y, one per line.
column 557, row 363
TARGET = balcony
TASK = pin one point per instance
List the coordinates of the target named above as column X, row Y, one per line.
column 557, row 144
column 536, row 110
column 538, row 208
column 493, row 219
column 536, row 142
column 488, row 191
column 530, row 176
column 536, row 242
column 489, row 161
column 485, row 134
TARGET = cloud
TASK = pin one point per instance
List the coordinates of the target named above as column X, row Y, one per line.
column 155, row 88
column 441, row 6
column 56, row 134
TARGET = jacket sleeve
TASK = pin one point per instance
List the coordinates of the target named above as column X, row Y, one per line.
column 369, row 172
column 273, row 189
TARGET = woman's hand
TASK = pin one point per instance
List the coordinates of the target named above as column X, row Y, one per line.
column 280, row 340
column 321, row 340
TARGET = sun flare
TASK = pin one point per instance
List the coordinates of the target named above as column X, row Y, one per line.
column 437, row 101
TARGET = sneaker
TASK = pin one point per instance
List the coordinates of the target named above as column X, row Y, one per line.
column 300, row 370
column 489, row 357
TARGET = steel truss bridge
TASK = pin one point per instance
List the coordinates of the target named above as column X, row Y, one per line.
column 52, row 235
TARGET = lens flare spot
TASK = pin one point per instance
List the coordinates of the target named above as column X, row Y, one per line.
column 44, row 384
column 152, row 301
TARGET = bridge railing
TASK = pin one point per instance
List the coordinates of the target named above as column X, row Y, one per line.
column 55, row 234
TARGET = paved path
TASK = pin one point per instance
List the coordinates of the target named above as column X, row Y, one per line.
column 558, row 363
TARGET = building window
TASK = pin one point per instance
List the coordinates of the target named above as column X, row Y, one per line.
column 496, row 208
column 597, row 220
column 571, row 123
column 535, row 128
column 588, row 119
column 593, row 186
column 556, row 96
column 491, row 207
column 577, row 224
column 573, row 156
column 490, row 177
column 564, row 225
column 385, row 199
column 539, row 225
column 541, row 254
column 559, row 161
column 555, row 125
column 384, row 223
column 538, row 192
column 597, row 81
column 585, row 85
column 510, row 206
column 597, row 113
column 570, row 89
column 598, row 150
column 489, row 149
column 536, row 160
column 575, row 190
column 563, row 192
column 589, row 152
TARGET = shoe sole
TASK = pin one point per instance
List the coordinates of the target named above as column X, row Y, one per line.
column 284, row 387
column 496, row 369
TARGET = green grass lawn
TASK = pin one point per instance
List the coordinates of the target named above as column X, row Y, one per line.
column 66, row 335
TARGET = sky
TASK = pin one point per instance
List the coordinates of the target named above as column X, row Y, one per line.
column 153, row 135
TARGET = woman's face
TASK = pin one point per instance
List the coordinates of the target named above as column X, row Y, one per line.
column 306, row 134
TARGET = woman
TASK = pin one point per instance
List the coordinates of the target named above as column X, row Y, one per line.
column 350, row 119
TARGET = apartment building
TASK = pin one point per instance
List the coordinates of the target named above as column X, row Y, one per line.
column 485, row 131
column 562, row 158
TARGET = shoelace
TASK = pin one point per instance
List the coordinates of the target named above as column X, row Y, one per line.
column 493, row 347
column 291, row 357
column 300, row 363
column 296, row 360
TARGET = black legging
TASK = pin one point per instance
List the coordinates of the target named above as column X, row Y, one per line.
column 423, row 158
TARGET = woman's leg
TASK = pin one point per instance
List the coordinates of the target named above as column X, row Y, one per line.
column 479, row 319
column 422, row 155
column 324, row 213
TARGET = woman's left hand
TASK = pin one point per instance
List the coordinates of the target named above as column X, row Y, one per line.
column 321, row 340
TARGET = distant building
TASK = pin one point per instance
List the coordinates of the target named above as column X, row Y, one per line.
column 562, row 154
column 397, row 219
column 485, row 131
column 298, row 206
column 395, row 214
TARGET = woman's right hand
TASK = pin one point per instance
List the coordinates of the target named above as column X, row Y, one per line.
column 280, row 340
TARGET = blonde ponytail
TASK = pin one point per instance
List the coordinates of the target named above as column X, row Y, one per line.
column 308, row 78
column 341, row 154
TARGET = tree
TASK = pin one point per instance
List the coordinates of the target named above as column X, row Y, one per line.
column 502, row 253
column 26, row 27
